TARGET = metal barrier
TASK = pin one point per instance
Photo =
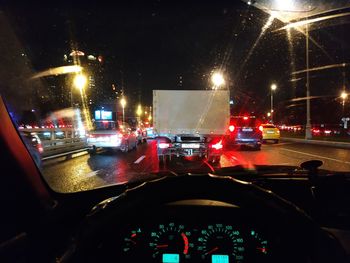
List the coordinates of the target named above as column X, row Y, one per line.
column 59, row 141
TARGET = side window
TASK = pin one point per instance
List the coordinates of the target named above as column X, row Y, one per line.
column 60, row 135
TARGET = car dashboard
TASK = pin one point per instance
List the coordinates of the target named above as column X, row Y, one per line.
column 191, row 231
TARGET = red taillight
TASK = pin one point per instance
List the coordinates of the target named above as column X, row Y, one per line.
column 40, row 148
column 261, row 128
column 231, row 128
column 217, row 146
column 245, row 118
column 163, row 145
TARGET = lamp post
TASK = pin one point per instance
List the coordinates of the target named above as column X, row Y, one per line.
column 272, row 88
column 343, row 96
column 308, row 134
column 139, row 113
column 123, row 103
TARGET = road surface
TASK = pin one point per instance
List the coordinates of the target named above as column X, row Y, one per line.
column 83, row 172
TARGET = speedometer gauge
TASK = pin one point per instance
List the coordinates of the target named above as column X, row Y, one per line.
column 171, row 243
column 221, row 243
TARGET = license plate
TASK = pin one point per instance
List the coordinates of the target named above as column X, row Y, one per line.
column 102, row 139
column 189, row 152
column 247, row 129
column 190, row 145
column 270, row 132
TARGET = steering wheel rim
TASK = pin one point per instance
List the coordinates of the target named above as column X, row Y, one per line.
column 244, row 194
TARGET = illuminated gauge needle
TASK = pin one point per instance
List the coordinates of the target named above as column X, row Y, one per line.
column 130, row 240
column 162, row 246
column 262, row 249
column 212, row 251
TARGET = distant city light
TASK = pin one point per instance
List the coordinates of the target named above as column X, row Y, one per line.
column 77, row 53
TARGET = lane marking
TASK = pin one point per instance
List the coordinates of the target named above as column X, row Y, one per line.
column 317, row 156
column 140, row 159
column 281, row 143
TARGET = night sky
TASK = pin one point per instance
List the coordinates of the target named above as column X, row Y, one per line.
column 155, row 43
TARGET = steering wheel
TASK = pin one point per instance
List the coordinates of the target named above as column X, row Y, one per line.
column 303, row 239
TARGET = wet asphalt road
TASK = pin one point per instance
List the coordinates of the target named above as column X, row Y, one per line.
column 83, row 172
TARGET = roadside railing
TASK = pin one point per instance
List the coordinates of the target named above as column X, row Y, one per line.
column 57, row 142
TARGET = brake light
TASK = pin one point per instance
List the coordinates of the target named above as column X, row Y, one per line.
column 163, row 145
column 245, row 118
column 217, row 146
column 231, row 128
column 40, row 148
column 261, row 128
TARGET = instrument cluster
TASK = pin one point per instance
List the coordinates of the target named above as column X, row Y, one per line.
column 174, row 242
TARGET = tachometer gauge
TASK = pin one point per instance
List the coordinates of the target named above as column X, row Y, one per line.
column 134, row 248
column 221, row 243
column 171, row 243
column 132, row 241
column 258, row 250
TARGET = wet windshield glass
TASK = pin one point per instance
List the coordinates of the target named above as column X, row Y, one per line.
column 116, row 93
column 105, row 125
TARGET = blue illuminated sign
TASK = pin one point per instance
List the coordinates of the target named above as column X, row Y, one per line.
column 103, row 115
column 97, row 115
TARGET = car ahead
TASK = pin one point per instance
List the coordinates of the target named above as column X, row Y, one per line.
column 141, row 134
column 111, row 135
column 270, row 133
column 244, row 131
column 150, row 133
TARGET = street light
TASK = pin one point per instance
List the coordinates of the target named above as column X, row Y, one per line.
column 218, row 80
column 139, row 110
column 273, row 88
column 123, row 103
column 80, row 81
column 344, row 96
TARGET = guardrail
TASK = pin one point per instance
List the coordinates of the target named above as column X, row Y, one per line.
column 57, row 142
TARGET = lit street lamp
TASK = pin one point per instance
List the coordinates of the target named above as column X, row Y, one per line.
column 273, row 88
column 139, row 113
column 123, row 103
column 217, row 79
column 139, row 110
column 80, row 81
column 344, row 96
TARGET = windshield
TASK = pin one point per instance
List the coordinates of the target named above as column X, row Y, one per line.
column 244, row 121
column 175, row 75
column 104, row 125
column 267, row 126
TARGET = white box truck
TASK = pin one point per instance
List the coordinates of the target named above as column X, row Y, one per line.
column 190, row 122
